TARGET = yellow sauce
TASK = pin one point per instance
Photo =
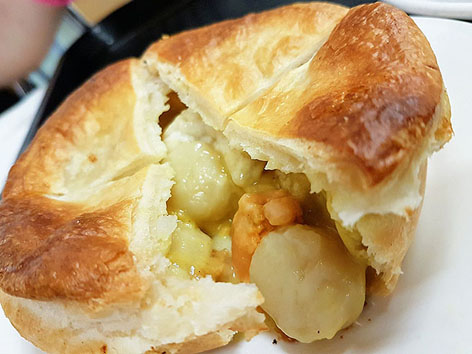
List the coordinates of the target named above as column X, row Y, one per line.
column 318, row 288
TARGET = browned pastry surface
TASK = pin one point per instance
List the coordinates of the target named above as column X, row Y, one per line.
column 51, row 249
column 85, row 116
column 368, row 96
column 229, row 62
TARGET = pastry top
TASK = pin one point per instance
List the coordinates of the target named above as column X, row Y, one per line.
column 367, row 99
column 92, row 138
column 363, row 102
column 228, row 64
column 50, row 250
column 66, row 218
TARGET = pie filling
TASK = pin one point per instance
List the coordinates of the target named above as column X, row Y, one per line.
column 239, row 222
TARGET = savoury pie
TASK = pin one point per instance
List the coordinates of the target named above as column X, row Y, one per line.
column 268, row 166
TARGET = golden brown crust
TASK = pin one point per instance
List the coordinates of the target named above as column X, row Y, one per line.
column 390, row 86
column 55, row 250
column 51, row 249
column 90, row 110
column 195, row 46
column 368, row 97
column 229, row 62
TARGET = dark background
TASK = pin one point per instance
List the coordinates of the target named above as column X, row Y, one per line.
column 128, row 31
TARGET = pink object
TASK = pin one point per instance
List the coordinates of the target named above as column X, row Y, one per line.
column 55, row 2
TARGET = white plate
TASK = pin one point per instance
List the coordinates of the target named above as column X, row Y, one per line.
column 431, row 310
column 460, row 9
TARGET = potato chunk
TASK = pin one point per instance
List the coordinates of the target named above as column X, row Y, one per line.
column 190, row 249
column 311, row 285
column 203, row 190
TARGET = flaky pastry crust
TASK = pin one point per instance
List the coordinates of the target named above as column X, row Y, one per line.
column 352, row 98
column 55, row 249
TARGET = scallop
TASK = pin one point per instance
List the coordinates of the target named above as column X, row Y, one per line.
column 311, row 285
